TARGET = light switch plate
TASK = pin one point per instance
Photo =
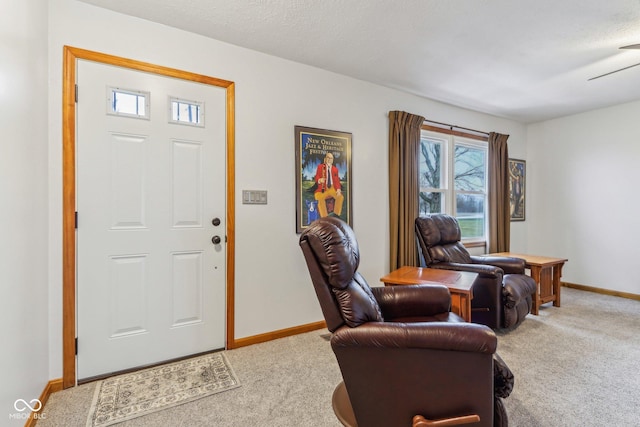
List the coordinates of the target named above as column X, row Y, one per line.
column 254, row 197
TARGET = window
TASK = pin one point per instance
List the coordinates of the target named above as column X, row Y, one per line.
column 186, row 112
column 453, row 180
column 131, row 103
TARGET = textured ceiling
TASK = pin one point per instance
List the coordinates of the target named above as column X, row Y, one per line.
column 520, row 59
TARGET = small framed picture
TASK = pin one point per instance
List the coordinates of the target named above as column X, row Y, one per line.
column 517, row 179
column 323, row 175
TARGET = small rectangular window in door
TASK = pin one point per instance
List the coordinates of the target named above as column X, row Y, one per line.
column 130, row 103
column 186, row 112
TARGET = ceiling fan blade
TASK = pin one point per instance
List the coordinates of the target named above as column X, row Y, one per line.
column 631, row 46
column 611, row 72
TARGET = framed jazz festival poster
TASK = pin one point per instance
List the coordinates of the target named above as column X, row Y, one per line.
column 323, row 175
column 517, row 178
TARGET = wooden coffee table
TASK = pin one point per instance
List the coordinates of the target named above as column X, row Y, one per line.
column 460, row 284
column 546, row 271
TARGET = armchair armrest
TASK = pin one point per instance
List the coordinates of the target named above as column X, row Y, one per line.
column 412, row 300
column 462, row 337
column 509, row 265
column 482, row 269
column 516, row 288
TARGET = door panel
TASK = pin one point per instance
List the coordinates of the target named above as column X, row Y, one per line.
column 128, row 171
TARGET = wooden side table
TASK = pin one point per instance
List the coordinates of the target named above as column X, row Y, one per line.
column 460, row 284
column 546, row 271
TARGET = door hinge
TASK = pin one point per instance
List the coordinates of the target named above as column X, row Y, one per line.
column 76, row 94
column 76, row 346
column 76, row 219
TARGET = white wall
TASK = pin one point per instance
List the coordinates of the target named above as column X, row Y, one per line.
column 273, row 288
column 582, row 194
column 23, row 217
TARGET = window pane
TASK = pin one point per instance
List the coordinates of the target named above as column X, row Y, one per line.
column 128, row 103
column 469, row 168
column 430, row 164
column 431, row 203
column 470, row 214
column 186, row 112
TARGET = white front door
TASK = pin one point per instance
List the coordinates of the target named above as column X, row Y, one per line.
column 150, row 281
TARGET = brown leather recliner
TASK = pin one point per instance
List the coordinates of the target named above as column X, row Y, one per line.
column 401, row 352
column 502, row 293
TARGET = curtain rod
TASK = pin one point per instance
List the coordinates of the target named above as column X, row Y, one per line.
column 457, row 127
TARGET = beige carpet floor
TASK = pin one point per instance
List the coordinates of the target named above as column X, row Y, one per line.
column 577, row 365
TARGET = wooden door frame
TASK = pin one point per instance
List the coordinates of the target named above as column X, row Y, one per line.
column 70, row 57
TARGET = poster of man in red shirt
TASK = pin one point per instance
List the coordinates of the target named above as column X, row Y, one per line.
column 323, row 184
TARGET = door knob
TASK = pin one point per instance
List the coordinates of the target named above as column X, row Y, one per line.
column 216, row 240
column 215, row 221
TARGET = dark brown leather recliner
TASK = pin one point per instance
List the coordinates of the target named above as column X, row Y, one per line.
column 401, row 352
column 502, row 294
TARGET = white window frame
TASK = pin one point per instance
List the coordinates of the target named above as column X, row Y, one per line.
column 447, row 185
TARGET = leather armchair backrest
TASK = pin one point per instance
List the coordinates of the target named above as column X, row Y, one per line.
column 335, row 245
column 439, row 236
column 332, row 255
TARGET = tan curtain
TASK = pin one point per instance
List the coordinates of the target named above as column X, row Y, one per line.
column 499, row 214
column 404, row 145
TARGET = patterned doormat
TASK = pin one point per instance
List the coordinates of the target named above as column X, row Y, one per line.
column 133, row 395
